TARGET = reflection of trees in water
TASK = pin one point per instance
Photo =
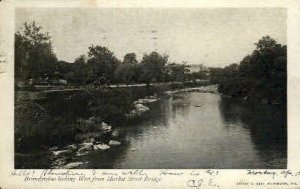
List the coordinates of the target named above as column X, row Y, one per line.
column 267, row 125
column 67, row 107
column 179, row 105
column 131, row 131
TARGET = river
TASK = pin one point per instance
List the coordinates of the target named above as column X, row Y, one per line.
column 181, row 131
column 200, row 130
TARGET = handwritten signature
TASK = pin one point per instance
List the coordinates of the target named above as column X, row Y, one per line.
column 194, row 183
column 197, row 183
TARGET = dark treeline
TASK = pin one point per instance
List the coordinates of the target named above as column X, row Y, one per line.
column 261, row 75
column 35, row 59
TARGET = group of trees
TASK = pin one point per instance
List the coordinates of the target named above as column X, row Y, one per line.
column 261, row 75
column 33, row 53
column 35, row 58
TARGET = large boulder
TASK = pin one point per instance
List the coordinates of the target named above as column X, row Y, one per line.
column 147, row 99
column 101, row 147
column 138, row 110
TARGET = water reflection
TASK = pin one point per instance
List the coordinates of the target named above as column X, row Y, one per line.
column 267, row 126
column 196, row 130
column 185, row 130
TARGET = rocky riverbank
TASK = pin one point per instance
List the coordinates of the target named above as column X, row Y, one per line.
column 139, row 107
column 203, row 89
column 73, row 124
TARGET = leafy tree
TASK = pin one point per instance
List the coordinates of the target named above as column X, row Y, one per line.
column 81, row 59
column 130, row 58
column 127, row 72
column 80, row 70
column 265, row 42
column 176, row 72
column 261, row 75
column 34, row 56
column 101, row 64
column 152, row 67
column 216, row 75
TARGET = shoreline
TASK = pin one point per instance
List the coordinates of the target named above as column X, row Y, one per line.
column 138, row 109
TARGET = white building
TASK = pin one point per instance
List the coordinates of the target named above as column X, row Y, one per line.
column 196, row 68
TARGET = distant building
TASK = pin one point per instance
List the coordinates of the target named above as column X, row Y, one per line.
column 193, row 68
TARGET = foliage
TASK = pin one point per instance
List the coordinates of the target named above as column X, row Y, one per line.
column 128, row 71
column 261, row 75
column 152, row 66
column 101, row 64
column 130, row 58
column 176, row 72
column 35, row 59
column 34, row 56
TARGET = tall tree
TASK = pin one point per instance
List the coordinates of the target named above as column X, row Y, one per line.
column 127, row 72
column 130, row 58
column 80, row 70
column 34, row 56
column 102, row 64
column 152, row 67
column 261, row 75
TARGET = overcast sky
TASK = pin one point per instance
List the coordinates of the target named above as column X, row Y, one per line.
column 214, row 37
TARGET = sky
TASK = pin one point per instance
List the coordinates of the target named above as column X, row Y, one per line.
column 210, row 36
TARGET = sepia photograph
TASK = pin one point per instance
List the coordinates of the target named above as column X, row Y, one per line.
column 150, row 88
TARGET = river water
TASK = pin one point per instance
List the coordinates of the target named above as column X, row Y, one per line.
column 199, row 130
column 182, row 130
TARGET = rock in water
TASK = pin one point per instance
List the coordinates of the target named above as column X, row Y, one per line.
column 101, row 146
column 115, row 133
column 114, row 143
column 105, row 127
column 95, row 147
column 72, row 165
column 86, row 147
column 146, row 100
column 61, row 152
column 141, row 108
column 138, row 110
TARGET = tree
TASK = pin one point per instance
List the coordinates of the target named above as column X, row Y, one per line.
column 130, row 58
column 261, row 75
column 176, row 72
column 265, row 42
column 152, row 67
column 127, row 72
column 81, row 59
column 79, row 70
column 34, row 56
column 101, row 64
